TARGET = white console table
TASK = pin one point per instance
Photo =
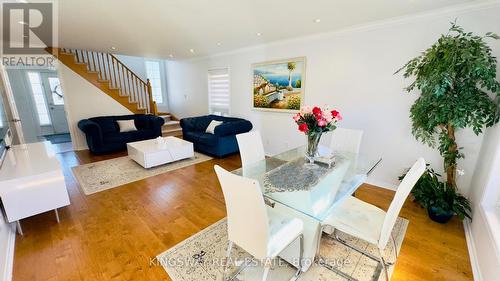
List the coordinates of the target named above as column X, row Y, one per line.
column 31, row 182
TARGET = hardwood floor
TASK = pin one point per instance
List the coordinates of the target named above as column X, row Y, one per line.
column 112, row 235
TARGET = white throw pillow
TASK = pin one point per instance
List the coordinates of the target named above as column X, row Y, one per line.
column 126, row 125
column 211, row 127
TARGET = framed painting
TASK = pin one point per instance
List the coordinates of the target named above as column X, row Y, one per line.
column 279, row 85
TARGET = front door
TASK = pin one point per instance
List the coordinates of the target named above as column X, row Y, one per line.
column 55, row 99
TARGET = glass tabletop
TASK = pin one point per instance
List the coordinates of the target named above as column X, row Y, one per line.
column 314, row 189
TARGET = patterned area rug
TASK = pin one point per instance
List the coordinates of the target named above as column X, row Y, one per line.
column 102, row 175
column 200, row 257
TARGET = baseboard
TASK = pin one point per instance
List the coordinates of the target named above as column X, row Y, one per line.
column 472, row 250
column 9, row 256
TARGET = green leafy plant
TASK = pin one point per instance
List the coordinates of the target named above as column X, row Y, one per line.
column 430, row 191
column 458, row 88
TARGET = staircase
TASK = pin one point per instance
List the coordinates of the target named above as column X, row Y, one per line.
column 171, row 126
column 110, row 75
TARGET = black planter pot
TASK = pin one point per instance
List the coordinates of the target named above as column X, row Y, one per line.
column 437, row 215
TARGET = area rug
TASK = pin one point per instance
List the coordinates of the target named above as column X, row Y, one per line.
column 200, row 256
column 103, row 175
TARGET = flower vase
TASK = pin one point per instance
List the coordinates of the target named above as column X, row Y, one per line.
column 312, row 146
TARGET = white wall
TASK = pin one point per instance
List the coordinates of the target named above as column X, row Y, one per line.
column 351, row 70
column 485, row 226
column 84, row 100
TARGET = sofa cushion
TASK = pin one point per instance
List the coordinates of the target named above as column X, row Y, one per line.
column 142, row 122
column 201, row 137
column 202, row 123
column 208, row 139
column 115, row 137
column 191, row 136
column 140, row 135
column 211, row 127
column 126, row 125
column 128, row 136
column 107, row 124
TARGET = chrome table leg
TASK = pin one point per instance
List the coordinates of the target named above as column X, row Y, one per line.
column 19, row 228
column 57, row 215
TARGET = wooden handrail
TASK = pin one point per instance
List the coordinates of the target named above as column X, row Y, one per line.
column 109, row 68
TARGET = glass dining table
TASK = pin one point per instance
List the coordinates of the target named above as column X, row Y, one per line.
column 312, row 189
column 309, row 191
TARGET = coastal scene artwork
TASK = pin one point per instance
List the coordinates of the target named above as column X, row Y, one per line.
column 279, row 85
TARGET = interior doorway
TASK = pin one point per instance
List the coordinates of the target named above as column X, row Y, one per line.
column 39, row 100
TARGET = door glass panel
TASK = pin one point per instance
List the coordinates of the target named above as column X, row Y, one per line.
column 39, row 98
column 56, row 90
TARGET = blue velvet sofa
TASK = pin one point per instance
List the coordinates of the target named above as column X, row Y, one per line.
column 222, row 142
column 103, row 133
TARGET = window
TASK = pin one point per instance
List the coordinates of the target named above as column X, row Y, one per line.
column 55, row 88
column 154, row 75
column 218, row 91
column 39, row 98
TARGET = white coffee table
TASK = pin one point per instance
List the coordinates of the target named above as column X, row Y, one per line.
column 151, row 153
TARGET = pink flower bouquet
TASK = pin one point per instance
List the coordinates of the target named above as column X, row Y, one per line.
column 314, row 122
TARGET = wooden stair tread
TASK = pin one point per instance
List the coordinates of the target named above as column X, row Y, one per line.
column 106, row 76
column 171, row 122
column 171, row 130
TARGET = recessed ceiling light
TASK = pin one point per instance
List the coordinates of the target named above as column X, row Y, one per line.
column 171, row 56
column 192, row 51
column 113, row 48
column 219, row 44
column 258, row 34
column 317, row 20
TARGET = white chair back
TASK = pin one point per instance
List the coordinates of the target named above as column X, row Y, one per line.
column 346, row 140
column 247, row 219
column 402, row 193
column 251, row 147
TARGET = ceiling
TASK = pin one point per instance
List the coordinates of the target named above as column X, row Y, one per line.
column 161, row 28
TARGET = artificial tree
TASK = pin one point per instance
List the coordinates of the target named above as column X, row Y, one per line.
column 458, row 88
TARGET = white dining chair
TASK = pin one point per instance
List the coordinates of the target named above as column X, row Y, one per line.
column 346, row 140
column 251, row 147
column 369, row 223
column 257, row 229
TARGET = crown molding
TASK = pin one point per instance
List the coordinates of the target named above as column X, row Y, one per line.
column 455, row 9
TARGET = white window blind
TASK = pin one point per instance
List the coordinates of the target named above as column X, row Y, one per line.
column 39, row 98
column 154, row 75
column 219, row 91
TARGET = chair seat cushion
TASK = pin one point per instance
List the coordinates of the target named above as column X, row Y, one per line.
column 357, row 218
column 282, row 231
